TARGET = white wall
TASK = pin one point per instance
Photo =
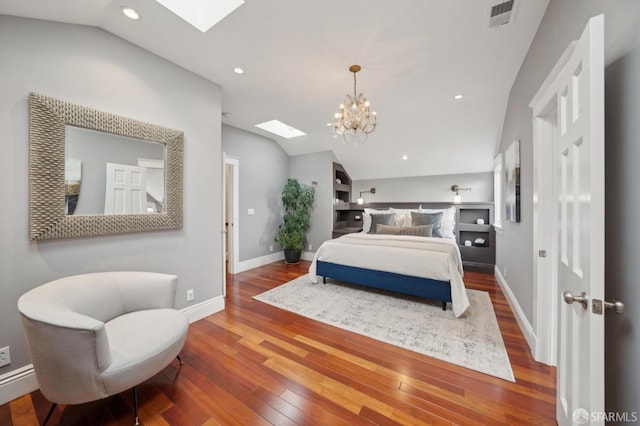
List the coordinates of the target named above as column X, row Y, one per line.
column 90, row 67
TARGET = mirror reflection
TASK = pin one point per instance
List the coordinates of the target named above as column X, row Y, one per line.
column 111, row 174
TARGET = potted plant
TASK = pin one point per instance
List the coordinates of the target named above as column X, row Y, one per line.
column 297, row 201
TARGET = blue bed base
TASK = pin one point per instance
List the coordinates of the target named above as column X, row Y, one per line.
column 405, row 284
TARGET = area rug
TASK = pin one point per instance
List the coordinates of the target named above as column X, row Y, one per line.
column 472, row 341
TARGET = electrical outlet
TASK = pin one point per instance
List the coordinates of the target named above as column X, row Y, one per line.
column 5, row 356
column 190, row 295
column 270, row 248
column 310, row 247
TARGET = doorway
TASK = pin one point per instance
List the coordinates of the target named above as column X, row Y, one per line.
column 231, row 224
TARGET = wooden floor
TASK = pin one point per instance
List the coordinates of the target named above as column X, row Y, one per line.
column 254, row 364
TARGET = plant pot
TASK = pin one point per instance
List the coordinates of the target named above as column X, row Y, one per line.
column 292, row 256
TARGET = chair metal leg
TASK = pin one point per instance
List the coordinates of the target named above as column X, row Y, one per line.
column 444, row 306
column 136, row 419
column 53, row 407
column 179, row 360
column 324, row 280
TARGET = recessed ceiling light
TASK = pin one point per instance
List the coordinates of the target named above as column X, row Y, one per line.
column 130, row 13
column 238, row 70
column 458, row 97
column 281, row 129
column 404, row 157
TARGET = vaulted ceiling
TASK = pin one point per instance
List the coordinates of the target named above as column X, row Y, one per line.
column 415, row 56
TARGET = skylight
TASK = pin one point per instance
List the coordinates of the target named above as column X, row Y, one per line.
column 202, row 14
column 281, row 129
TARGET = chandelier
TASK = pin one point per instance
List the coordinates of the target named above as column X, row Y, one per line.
column 354, row 122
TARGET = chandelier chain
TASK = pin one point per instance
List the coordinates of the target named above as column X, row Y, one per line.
column 354, row 84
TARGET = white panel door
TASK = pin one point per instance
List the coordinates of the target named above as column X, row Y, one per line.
column 126, row 189
column 578, row 153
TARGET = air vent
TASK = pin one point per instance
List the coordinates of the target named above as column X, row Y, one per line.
column 501, row 14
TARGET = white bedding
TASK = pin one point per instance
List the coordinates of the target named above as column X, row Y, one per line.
column 435, row 258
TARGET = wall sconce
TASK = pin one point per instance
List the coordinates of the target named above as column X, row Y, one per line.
column 458, row 198
column 360, row 199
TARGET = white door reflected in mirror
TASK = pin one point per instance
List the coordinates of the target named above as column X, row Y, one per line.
column 126, row 191
column 88, row 188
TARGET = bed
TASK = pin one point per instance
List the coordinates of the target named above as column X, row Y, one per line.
column 422, row 266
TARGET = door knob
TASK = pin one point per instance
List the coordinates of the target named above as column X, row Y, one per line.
column 617, row 305
column 582, row 299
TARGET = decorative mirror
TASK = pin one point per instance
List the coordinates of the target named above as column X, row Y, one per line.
column 512, row 190
column 96, row 173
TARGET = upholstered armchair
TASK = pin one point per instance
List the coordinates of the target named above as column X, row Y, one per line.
column 94, row 335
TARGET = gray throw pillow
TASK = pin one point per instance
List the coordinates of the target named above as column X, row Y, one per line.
column 434, row 219
column 417, row 231
column 381, row 218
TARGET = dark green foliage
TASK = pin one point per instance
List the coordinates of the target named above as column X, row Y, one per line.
column 297, row 201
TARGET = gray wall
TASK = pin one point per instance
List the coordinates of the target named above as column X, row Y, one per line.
column 622, row 240
column 317, row 167
column 563, row 22
column 264, row 169
column 90, row 67
column 426, row 188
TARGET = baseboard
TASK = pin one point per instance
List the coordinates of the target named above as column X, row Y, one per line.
column 245, row 265
column 523, row 322
column 16, row 383
column 204, row 309
column 307, row 255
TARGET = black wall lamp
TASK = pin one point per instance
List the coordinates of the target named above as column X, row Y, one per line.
column 457, row 189
column 360, row 199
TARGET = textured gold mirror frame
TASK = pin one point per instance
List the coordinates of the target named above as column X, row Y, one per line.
column 47, row 219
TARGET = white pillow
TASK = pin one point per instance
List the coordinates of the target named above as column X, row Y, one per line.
column 403, row 216
column 448, row 220
column 366, row 222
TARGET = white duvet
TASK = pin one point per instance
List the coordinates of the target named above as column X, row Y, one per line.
column 435, row 258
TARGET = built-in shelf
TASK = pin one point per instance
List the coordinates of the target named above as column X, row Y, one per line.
column 347, row 217
column 477, row 257
column 342, row 187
